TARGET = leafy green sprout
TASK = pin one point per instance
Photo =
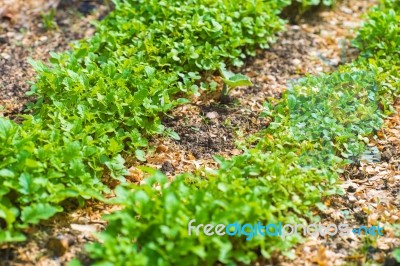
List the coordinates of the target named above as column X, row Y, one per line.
column 232, row 80
column 49, row 20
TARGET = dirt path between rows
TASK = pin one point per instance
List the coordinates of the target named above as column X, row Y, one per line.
column 320, row 42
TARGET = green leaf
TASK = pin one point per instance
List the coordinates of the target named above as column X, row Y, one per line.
column 11, row 236
column 41, row 211
column 149, row 70
column 172, row 134
column 8, row 214
column 30, row 163
column 140, row 155
column 396, row 254
column 225, row 73
column 238, row 80
column 6, row 173
column 199, row 251
column 74, row 262
column 234, row 80
column 292, row 102
column 37, row 65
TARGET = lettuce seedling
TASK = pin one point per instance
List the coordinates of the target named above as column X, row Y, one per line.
column 231, row 81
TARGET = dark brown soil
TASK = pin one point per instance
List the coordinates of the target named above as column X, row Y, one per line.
column 216, row 131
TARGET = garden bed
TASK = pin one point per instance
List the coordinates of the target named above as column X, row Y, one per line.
column 206, row 127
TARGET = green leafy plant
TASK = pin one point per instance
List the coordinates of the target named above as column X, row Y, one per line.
column 48, row 20
column 232, row 80
column 107, row 95
column 276, row 180
column 281, row 174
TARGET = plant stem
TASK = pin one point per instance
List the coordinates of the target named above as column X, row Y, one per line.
column 225, row 89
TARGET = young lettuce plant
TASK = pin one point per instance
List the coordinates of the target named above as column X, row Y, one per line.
column 231, row 81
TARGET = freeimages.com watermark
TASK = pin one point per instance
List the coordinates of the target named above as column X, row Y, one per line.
column 280, row 230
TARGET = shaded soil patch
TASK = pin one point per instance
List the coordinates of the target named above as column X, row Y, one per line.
column 216, row 129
